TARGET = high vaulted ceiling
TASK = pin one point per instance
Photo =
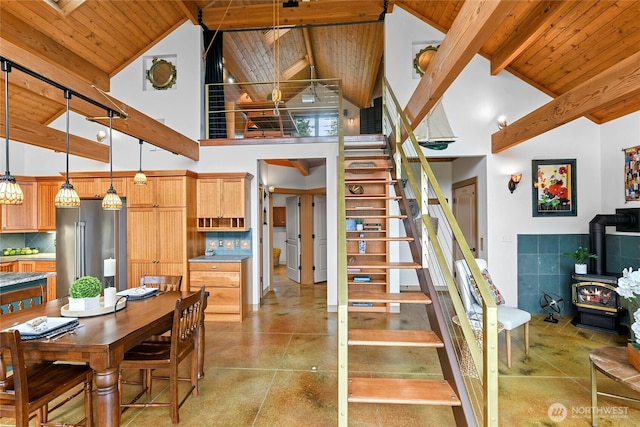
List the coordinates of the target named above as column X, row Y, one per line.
column 584, row 54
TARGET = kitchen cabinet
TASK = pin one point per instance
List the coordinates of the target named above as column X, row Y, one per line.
column 162, row 237
column 22, row 218
column 95, row 187
column 160, row 191
column 34, row 266
column 48, row 187
column 9, row 267
column 279, row 216
column 226, row 283
column 224, row 202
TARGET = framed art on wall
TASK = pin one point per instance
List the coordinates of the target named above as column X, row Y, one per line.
column 632, row 173
column 554, row 187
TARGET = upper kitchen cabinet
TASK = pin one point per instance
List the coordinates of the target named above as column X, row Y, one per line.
column 48, row 187
column 163, row 189
column 95, row 185
column 224, row 201
column 22, row 218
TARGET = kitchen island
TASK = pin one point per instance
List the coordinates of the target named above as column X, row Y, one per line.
column 15, row 281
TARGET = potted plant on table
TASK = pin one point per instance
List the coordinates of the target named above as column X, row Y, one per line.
column 84, row 294
column 581, row 256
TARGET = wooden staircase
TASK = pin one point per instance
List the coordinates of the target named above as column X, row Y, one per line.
column 368, row 178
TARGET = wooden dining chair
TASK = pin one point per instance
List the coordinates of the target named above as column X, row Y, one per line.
column 28, row 391
column 148, row 357
column 22, row 298
column 163, row 283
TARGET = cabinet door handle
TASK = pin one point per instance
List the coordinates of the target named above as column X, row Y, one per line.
column 214, row 267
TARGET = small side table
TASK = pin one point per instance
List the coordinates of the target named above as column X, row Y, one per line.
column 467, row 367
column 614, row 363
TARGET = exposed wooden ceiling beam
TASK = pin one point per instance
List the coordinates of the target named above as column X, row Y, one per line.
column 32, row 133
column 302, row 166
column 616, row 84
column 137, row 124
column 190, row 9
column 544, row 15
column 17, row 37
column 475, row 23
column 307, row 13
column 294, row 69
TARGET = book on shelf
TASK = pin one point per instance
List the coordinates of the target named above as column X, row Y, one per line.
column 353, row 270
column 372, row 226
column 362, row 304
column 361, row 278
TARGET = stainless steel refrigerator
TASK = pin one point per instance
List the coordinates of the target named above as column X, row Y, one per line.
column 85, row 237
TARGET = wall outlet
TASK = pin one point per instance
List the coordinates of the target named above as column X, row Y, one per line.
column 237, row 243
column 219, row 243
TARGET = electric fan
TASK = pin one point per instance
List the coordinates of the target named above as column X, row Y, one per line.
column 552, row 304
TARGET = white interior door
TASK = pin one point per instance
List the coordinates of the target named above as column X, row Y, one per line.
column 293, row 238
column 319, row 239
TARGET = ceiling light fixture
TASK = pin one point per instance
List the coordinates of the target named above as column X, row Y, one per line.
column 101, row 135
column 67, row 196
column 502, row 122
column 111, row 201
column 10, row 191
column 140, row 178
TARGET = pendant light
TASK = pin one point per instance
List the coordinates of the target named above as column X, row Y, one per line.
column 67, row 196
column 10, row 191
column 140, row 178
column 111, row 201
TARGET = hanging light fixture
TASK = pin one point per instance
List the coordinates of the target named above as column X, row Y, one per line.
column 140, row 178
column 10, row 191
column 111, row 201
column 67, row 196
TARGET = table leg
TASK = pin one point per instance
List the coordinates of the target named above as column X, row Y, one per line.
column 107, row 398
column 200, row 350
column 594, row 396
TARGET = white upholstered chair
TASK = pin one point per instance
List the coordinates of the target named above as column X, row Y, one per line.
column 510, row 317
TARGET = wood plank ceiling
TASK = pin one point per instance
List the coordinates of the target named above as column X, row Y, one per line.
column 581, row 53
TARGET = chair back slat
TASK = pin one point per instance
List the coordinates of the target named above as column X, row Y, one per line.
column 186, row 321
column 18, row 394
column 22, row 298
column 163, row 283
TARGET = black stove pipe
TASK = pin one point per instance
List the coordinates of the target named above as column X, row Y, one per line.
column 597, row 234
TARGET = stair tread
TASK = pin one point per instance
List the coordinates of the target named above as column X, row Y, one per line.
column 371, row 197
column 380, row 216
column 380, row 238
column 373, row 156
column 387, row 337
column 402, row 297
column 390, row 265
column 402, row 391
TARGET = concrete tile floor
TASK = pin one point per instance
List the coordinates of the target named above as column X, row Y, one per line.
column 278, row 368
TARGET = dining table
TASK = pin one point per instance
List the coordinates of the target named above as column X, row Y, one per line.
column 101, row 341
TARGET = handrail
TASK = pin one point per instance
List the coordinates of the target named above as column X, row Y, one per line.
column 438, row 253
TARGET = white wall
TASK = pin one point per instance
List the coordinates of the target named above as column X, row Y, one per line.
column 473, row 103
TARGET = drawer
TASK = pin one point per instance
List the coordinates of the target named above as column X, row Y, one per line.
column 45, row 266
column 223, row 279
column 223, row 300
column 214, row 266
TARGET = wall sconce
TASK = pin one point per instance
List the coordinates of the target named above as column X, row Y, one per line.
column 101, row 135
column 351, row 120
column 513, row 181
column 502, row 122
column 271, row 189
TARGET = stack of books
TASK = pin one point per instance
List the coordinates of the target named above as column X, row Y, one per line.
column 361, row 278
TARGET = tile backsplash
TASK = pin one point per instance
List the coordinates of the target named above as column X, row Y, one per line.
column 229, row 243
column 45, row 242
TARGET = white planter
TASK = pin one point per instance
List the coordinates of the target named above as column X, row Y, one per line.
column 81, row 304
column 581, row 268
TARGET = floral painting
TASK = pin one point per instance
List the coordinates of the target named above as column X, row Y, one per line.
column 632, row 173
column 554, row 192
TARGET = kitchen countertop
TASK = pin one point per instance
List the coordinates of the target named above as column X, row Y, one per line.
column 7, row 279
column 220, row 258
column 37, row 257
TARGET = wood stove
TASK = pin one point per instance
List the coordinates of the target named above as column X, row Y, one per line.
column 596, row 302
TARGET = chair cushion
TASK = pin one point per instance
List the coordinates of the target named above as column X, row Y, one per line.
column 495, row 292
column 512, row 317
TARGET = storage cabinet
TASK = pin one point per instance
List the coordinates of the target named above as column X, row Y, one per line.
column 33, row 266
column 279, row 216
column 48, row 187
column 93, row 187
column 226, row 282
column 161, row 231
column 22, row 218
column 223, row 202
